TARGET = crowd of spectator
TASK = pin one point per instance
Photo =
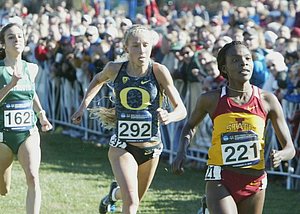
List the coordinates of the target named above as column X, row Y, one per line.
column 76, row 44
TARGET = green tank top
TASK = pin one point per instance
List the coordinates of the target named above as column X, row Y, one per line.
column 16, row 109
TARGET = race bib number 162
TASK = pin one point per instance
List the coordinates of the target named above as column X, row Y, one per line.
column 18, row 115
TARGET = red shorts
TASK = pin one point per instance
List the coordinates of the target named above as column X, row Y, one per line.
column 242, row 186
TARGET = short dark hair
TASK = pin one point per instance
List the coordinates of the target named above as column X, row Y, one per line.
column 5, row 28
column 221, row 58
column 2, row 40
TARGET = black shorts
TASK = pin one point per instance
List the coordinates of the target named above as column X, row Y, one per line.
column 141, row 155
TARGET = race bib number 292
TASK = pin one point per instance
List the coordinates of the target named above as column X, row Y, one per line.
column 134, row 130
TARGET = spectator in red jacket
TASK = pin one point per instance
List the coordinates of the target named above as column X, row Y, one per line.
column 152, row 11
column 41, row 50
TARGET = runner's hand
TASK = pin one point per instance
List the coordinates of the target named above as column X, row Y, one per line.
column 77, row 117
column 163, row 116
column 177, row 165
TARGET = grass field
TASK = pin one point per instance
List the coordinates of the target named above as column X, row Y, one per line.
column 75, row 175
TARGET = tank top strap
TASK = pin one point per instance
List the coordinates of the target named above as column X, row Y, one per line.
column 256, row 91
column 123, row 67
column 121, row 71
column 26, row 70
column 2, row 65
column 150, row 68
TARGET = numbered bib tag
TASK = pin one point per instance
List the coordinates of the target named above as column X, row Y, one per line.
column 18, row 116
column 213, row 173
column 135, row 127
column 117, row 143
column 240, row 148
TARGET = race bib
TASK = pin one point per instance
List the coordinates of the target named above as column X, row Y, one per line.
column 137, row 130
column 135, row 127
column 240, row 148
column 115, row 142
column 18, row 116
column 213, row 173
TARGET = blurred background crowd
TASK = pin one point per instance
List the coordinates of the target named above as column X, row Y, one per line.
column 74, row 44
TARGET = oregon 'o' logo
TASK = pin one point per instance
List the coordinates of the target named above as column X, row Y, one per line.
column 145, row 98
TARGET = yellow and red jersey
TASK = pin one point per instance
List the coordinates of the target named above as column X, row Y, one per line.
column 238, row 135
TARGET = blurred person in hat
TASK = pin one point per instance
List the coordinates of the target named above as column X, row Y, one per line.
column 254, row 38
column 275, row 64
column 284, row 31
column 224, row 11
column 270, row 40
column 291, row 55
column 106, row 48
column 93, row 50
column 54, row 30
column 100, row 24
column 214, row 79
column 238, row 16
column 219, row 43
column 110, row 22
column 273, row 26
column 92, row 34
column 216, row 26
column 124, row 25
column 86, row 20
column 169, row 46
column 205, row 37
column 236, row 32
column 280, row 44
column 112, row 32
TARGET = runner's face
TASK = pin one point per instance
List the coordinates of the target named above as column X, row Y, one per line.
column 239, row 64
column 14, row 40
column 139, row 47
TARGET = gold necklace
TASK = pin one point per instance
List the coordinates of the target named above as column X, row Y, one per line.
column 240, row 91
